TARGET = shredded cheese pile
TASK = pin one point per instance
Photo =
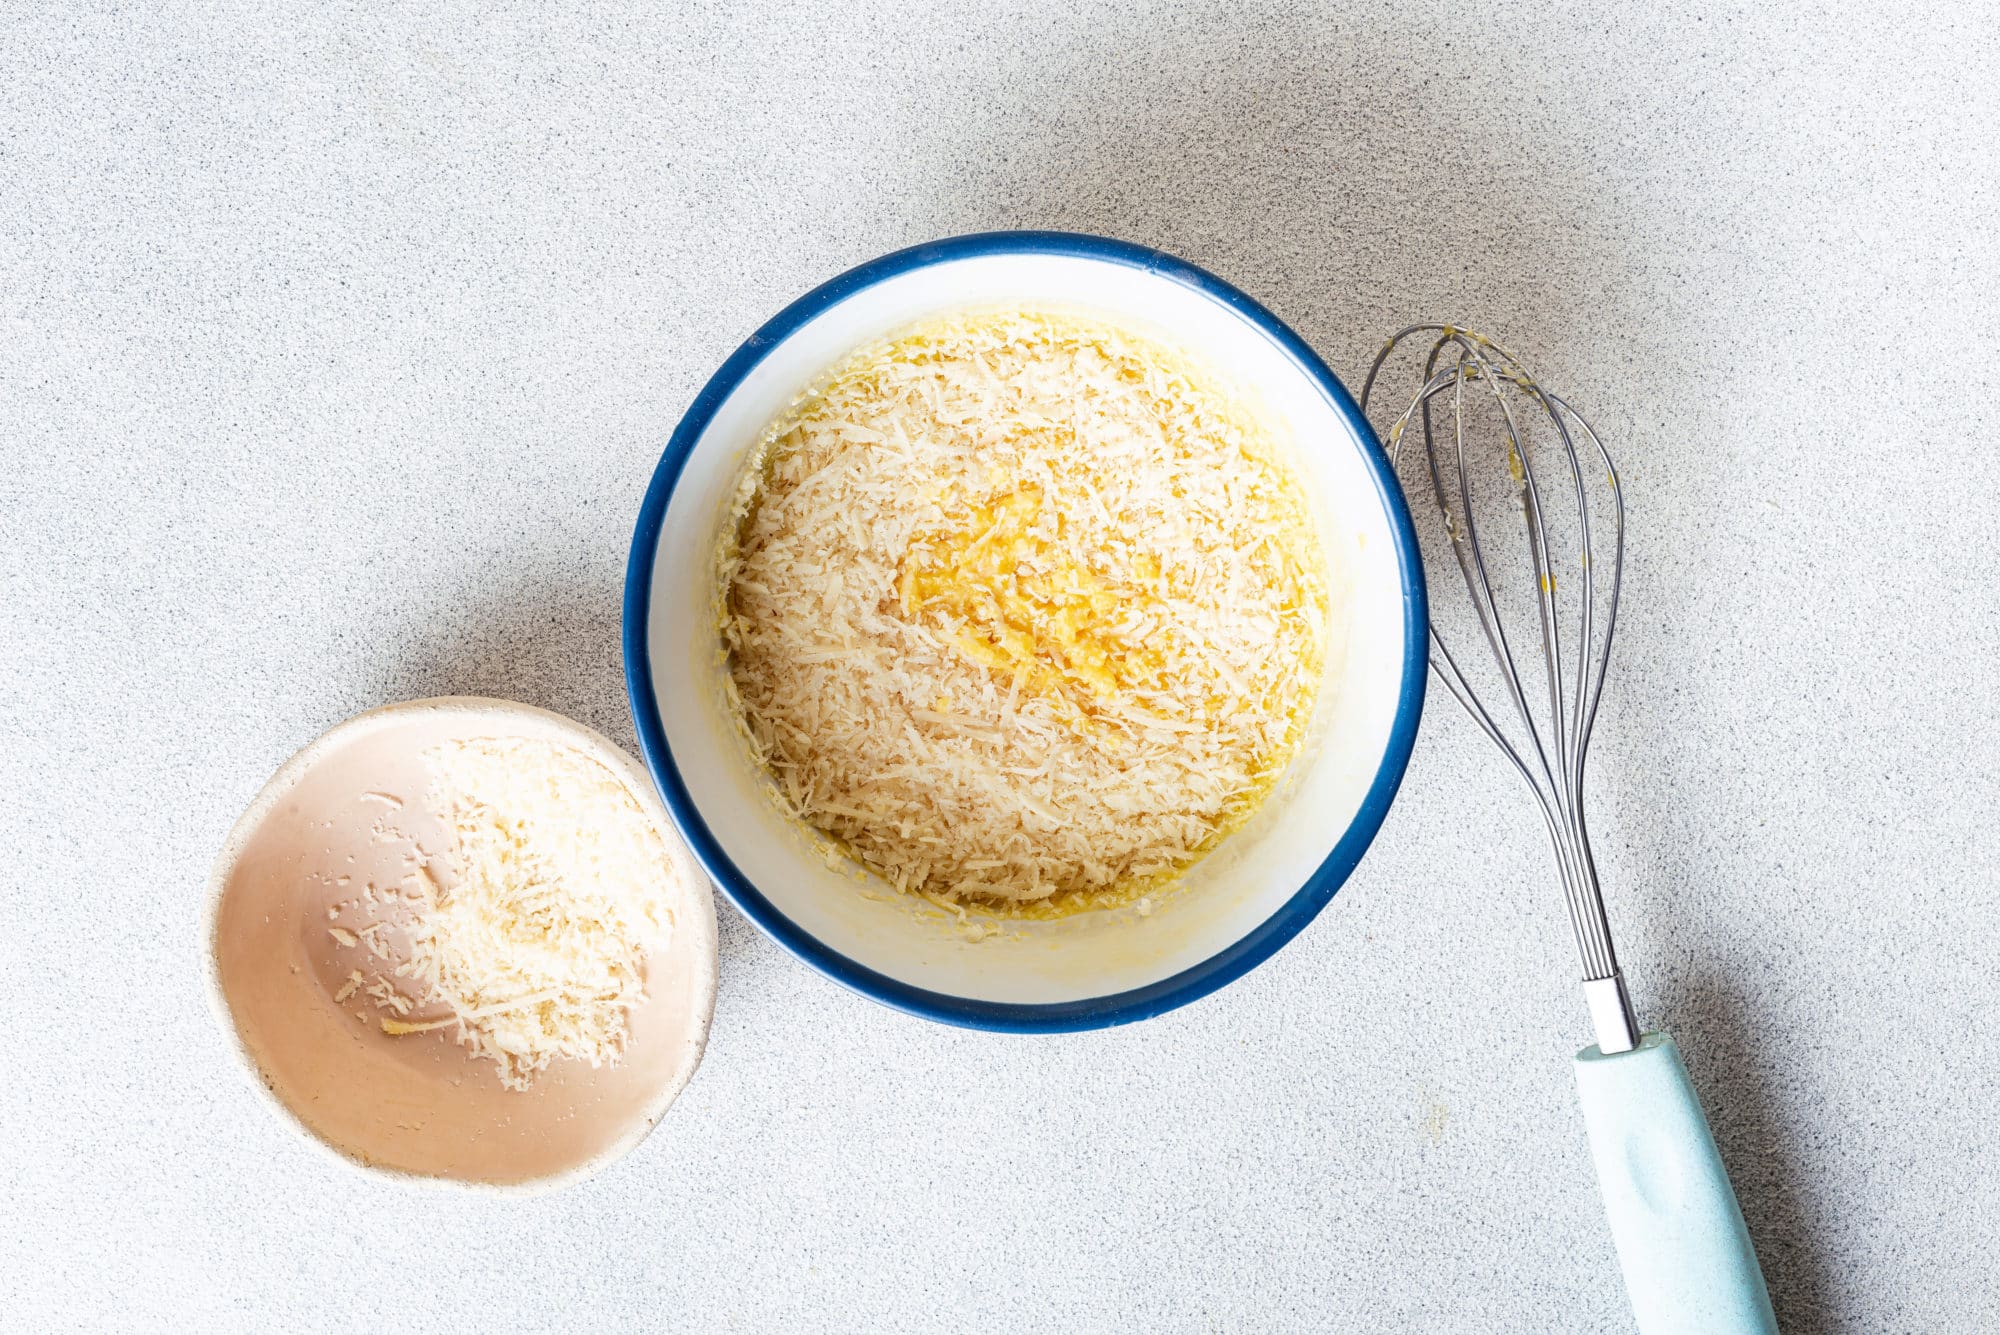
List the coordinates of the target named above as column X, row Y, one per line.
column 537, row 941
column 1020, row 608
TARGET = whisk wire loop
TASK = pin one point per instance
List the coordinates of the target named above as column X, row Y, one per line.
column 1554, row 750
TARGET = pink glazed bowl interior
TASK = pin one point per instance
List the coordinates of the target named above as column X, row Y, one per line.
column 326, row 826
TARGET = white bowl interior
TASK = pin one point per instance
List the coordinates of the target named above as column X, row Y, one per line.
column 1225, row 896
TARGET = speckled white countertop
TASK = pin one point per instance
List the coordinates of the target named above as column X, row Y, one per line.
column 337, row 343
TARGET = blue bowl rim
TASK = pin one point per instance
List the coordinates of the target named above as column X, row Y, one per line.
column 1141, row 1003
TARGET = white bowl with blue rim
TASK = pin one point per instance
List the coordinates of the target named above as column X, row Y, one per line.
column 1234, row 908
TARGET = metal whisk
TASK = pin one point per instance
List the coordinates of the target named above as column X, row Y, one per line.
column 1556, row 747
column 1688, row 1264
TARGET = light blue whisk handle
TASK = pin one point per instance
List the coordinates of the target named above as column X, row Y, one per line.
column 1689, row 1267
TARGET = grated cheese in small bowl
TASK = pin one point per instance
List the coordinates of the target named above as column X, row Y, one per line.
column 559, row 892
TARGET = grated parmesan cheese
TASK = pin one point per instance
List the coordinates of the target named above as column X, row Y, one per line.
column 558, row 892
column 1021, row 608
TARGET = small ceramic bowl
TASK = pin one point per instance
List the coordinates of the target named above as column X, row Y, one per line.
column 339, row 817
column 1235, row 907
